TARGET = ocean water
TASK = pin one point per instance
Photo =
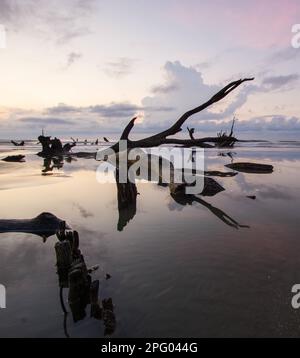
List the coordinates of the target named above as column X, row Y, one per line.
column 177, row 269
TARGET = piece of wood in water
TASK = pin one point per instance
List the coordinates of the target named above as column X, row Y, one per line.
column 255, row 168
column 15, row 158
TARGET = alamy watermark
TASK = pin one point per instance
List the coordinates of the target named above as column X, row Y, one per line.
column 166, row 165
column 2, row 36
column 296, row 38
column 296, row 298
column 2, row 296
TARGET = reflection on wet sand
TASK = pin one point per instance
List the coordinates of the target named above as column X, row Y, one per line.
column 74, row 274
column 184, row 199
column 57, row 162
column 44, row 225
column 225, row 201
column 127, row 192
column 72, row 270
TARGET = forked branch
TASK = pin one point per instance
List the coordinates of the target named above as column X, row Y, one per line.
column 161, row 138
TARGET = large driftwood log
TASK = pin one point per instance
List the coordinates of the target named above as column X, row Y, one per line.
column 162, row 137
column 126, row 194
column 53, row 147
column 44, row 225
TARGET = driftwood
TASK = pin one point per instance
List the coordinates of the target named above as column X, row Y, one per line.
column 253, row 197
column 108, row 316
column 79, row 288
column 44, row 225
column 251, row 168
column 162, row 137
column 224, row 140
column 53, row 147
column 14, row 158
column 216, row 173
column 74, row 274
column 20, row 144
column 126, row 193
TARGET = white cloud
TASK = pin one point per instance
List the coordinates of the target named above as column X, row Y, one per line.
column 184, row 89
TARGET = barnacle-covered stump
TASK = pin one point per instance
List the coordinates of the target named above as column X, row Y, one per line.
column 74, row 274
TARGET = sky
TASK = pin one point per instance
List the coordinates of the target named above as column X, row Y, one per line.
column 86, row 67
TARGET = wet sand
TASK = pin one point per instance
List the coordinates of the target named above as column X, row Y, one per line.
column 176, row 270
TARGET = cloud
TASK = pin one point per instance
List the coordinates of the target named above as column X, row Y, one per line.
column 62, row 21
column 118, row 110
column 283, row 55
column 122, row 67
column 61, row 108
column 278, row 192
column 73, row 57
column 112, row 110
column 184, row 89
column 165, row 88
column 275, row 82
column 45, row 120
column 255, row 124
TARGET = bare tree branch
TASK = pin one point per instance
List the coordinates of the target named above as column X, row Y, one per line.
column 161, row 138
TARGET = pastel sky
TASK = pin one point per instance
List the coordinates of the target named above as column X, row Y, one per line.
column 85, row 67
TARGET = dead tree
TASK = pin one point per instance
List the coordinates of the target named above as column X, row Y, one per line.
column 53, row 147
column 162, row 137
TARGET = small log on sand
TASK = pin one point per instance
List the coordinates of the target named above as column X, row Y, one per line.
column 15, row 158
column 254, row 168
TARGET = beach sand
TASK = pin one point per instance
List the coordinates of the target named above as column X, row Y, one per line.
column 175, row 270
